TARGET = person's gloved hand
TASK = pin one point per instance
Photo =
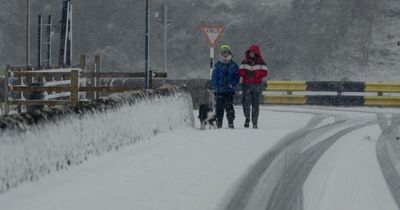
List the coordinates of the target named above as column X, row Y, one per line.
column 250, row 73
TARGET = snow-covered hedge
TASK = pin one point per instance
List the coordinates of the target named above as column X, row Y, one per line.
column 35, row 145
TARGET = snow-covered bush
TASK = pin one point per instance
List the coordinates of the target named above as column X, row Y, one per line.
column 33, row 146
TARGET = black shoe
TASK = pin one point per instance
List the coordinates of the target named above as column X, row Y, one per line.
column 247, row 123
column 219, row 124
column 231, row 126
column 255, row 126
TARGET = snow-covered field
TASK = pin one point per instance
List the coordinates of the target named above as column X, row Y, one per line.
column 307, row 158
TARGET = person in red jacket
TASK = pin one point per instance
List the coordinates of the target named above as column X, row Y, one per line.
column 253, row 70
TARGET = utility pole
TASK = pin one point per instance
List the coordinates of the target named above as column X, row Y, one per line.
column 147, row 47
column 40, row 41
column 28, row 33
column 49, row 39
column 65, row 55
column 165, row 37
column 163, row 16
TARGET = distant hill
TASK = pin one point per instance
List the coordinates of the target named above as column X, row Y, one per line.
column 300, row 39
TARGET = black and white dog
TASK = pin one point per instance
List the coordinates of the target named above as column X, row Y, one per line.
column 207, row 117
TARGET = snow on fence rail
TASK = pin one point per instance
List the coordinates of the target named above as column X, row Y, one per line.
column 69, row 87
column 46, row 87
column 33, row 145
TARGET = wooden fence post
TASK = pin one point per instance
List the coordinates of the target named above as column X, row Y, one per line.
column 7, row 91
column 74, row 87
column 151, row 79
column 82, row 62
column 83, row 65
column 21, row 82
column 97, row 69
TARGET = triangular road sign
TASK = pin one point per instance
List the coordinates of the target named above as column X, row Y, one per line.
column 212, row 33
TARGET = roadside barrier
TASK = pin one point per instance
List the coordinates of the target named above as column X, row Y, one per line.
column 326, row 93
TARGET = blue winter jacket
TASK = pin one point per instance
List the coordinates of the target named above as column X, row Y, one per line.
column 225, row 77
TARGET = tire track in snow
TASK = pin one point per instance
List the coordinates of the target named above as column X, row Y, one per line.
column 246, row 187
column 387, row 152
column 289, row 188
column 290, row 147
column 383, row 122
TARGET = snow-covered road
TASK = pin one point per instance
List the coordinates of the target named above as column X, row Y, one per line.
column 309, row 158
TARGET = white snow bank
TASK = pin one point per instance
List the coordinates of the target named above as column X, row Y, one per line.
column 45, row 148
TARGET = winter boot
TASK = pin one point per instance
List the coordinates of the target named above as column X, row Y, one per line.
column 219, row 125
column 255, row 126
column 247, row 123
column 231, row 126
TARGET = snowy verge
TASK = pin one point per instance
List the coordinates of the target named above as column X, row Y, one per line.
column 35, row 145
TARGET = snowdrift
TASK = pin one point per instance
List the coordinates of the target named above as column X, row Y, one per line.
column 33, row 145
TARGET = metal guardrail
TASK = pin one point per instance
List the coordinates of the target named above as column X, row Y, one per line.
column 332, row 93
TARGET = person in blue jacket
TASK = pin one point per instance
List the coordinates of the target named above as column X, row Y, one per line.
column 225, row 78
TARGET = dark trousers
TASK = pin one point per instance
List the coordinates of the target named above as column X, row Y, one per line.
column 252, row 94
column 224, row 102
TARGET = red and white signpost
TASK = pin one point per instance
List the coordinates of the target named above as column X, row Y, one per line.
column 212, row 33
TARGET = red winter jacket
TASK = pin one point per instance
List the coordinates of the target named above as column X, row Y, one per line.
column 254, row 70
